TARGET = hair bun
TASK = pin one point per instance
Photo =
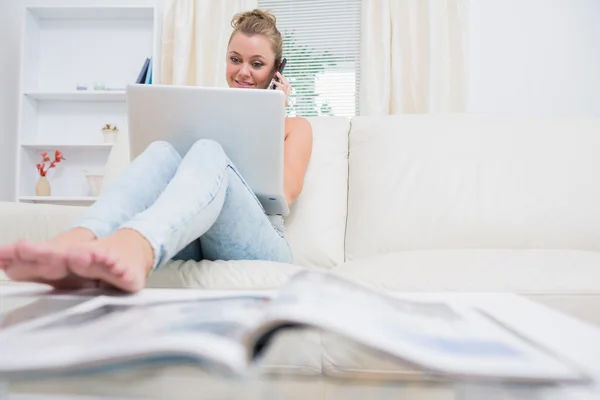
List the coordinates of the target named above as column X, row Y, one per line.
column 255, row 14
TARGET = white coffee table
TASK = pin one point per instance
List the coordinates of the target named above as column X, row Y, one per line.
column 574, row 339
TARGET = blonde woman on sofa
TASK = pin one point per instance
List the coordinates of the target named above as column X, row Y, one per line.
column 164, row 207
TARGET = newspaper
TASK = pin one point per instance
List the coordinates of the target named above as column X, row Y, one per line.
column 230, row 333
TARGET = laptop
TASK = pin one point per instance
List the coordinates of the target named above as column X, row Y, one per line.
column 248, row 123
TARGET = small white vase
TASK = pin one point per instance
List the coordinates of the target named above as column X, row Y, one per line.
column 110, row 136
column 95, row 183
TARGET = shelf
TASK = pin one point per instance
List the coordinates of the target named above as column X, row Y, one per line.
column 88, row 95
column 41, row 146
column 58, row 199
column 97, row 13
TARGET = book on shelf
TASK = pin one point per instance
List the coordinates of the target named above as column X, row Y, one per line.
column 141, row 79
column 231, row 333
column 149, row 73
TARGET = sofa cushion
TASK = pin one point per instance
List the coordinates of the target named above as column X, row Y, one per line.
column 467, row 181
column 316, row 226
column 317, row 223
column 222, row 275
column 526, row 272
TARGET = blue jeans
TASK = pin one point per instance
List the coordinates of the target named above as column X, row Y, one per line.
column 191, row 208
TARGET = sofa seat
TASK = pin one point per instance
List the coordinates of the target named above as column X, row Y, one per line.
column 223, row 275
column 562, row 278
column 527, row 272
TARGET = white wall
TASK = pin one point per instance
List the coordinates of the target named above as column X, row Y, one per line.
column 11, row 12
column 535, row 56
column 9, row 53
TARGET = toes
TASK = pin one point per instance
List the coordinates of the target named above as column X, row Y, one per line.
column 102, row 264
column 104, row 257
column 42, row 260
column 107, row 266
column 115, row 272
column 94, row 264
column 21, row 272
column 31, row 262
column 7, row 253
column 13, row 266
column 55, row 266
column 127, row 280
column 79, row 262
column 109, row 262
column 31, row 252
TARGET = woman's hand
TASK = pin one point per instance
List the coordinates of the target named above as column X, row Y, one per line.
column 283, row 85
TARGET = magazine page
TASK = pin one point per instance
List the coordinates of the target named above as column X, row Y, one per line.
column 109, row 330
column 24, row 309
column 441, row 338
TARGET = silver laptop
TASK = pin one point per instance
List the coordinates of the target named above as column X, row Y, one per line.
column 248, row 123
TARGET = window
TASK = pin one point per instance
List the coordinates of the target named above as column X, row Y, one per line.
column 321, row 41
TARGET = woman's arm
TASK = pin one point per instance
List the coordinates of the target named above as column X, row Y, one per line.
column 298, row 149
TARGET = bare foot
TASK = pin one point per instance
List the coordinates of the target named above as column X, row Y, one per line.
column 45, row 262
column 122, row 260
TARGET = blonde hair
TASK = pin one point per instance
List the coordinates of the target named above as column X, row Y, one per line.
column 259, row 22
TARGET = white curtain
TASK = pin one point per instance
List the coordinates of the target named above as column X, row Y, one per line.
column 194, row 40
column 414, row 56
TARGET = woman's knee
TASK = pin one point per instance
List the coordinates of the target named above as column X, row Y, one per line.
column 162, row 149
column 207, row 147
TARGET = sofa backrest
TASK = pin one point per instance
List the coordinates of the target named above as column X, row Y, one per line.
column 472, row 181
column 316, row 226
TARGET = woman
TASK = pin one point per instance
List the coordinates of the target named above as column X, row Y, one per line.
column 164, row 207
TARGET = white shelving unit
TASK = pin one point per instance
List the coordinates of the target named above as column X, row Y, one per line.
column 63, row 48
column 117, row 95
column 43, row 146
column 67, row 200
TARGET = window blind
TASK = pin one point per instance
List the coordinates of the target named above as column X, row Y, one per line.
column 321, row 41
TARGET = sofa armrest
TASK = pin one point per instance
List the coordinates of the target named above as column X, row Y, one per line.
column 34, row 222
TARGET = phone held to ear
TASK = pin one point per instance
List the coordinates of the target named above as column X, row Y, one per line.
column 280, row 70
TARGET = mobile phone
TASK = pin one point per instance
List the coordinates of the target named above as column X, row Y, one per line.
column 280, row 70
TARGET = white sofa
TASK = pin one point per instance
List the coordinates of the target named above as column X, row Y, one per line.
column 422, row 203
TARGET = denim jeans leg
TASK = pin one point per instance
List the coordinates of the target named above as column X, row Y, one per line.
column 243, row 231
column 192, row 204
column 138, row 187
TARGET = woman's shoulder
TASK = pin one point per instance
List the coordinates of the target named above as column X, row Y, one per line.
column 298, row 124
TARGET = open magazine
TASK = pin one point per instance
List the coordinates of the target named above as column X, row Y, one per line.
column 233, row 332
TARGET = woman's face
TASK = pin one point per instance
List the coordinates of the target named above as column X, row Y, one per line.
column 250, row 62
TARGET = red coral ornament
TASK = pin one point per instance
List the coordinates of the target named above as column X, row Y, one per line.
column 43, row 168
